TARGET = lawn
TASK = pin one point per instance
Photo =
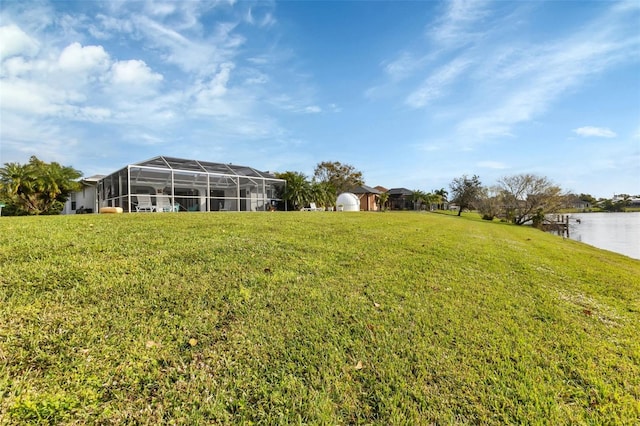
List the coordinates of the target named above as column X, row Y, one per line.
column 312, row 317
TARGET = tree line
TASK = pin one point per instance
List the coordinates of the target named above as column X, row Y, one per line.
column 519, row 199
column 38, row 187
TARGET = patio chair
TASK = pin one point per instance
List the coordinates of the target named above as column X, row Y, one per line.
column 144, row 204
column 163, row 204
column 312, row 208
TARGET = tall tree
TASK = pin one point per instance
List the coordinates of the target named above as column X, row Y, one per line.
column 527, row 197
column 490, row 204
column 323, row 194
column 298, row 189
column 465, row 191
column 418, row 198
column 38, row 187
column 342, row 177
column 382, row 200
column 442, row 193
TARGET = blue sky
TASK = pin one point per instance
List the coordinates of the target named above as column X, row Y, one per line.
column 413, row 94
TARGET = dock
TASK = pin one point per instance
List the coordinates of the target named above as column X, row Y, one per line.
column 558, row 225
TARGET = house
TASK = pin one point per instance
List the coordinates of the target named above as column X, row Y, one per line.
column 84, row 200
column 400, row 199
column 164, row 184
column 368, row 197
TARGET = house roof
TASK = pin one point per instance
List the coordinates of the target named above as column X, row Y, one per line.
column 162, row 162
column 381, row 188
column 93, row 179
column 364, row 189
column 400, row 191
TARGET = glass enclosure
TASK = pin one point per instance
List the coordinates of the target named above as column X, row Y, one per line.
column 165, row 184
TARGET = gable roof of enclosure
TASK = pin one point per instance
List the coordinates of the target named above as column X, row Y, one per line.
column 172, row 163
column 160, row 169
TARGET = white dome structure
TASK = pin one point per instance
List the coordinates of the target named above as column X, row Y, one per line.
column 349, row 202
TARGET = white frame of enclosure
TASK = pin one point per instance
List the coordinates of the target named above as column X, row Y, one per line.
column 259, row 192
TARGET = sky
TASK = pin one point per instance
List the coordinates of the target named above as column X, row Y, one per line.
column 413, row 94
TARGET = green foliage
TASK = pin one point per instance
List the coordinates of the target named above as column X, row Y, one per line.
column 466, row 191
column 298, row 190
column 291, row 318
column 341, row 177
column 37, row 187
column 323, row 193
column 490, row 203
column 615, row 206
column 382, row 200
column 424, row 200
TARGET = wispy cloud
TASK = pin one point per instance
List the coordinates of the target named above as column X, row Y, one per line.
column 590, row 131
column 494, row 79
column 526, row 86
column 495, row 165
column 457, row 25
column 436, row 84
column 403, row 66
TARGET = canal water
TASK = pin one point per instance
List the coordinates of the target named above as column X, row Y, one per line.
column 619, row 232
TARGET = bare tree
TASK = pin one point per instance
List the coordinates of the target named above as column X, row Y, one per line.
column 491, row 203
column 527, row 197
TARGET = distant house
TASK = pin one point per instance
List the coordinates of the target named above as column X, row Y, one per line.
column 629, row 200
column 86, row 199
column 400, row 199
column 368, row 197
column 574, row 202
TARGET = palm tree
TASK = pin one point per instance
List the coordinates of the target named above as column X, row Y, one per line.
column 323, row 193
column 418, row 197
column 38, row 187
column 298, row 190
column 382, row 200
column 442, row 193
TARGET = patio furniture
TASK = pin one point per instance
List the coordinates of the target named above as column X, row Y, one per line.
column 144, row 204
column 163, row 205
column 312, row 208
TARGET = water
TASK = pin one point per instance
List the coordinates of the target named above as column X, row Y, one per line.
column 619, row 232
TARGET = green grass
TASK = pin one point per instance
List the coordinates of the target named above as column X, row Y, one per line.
column 317, row 318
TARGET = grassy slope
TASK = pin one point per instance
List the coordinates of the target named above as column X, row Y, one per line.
column 312, row 317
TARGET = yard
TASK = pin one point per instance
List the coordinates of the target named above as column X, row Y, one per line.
column 312, row 317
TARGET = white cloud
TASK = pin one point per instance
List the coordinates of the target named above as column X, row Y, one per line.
column 495, row 165
column 200, row 55
column 456, row 27
column 108, row 26
column 77, row 59
column 590, row 131
column 16, row 42
column 267, row 19
column 313, row 109
column 32, row 97
column 434, row 86
column 18, row 66
column 403, row 66
column 133, row 72
column 209, row 93
column 531, row 78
